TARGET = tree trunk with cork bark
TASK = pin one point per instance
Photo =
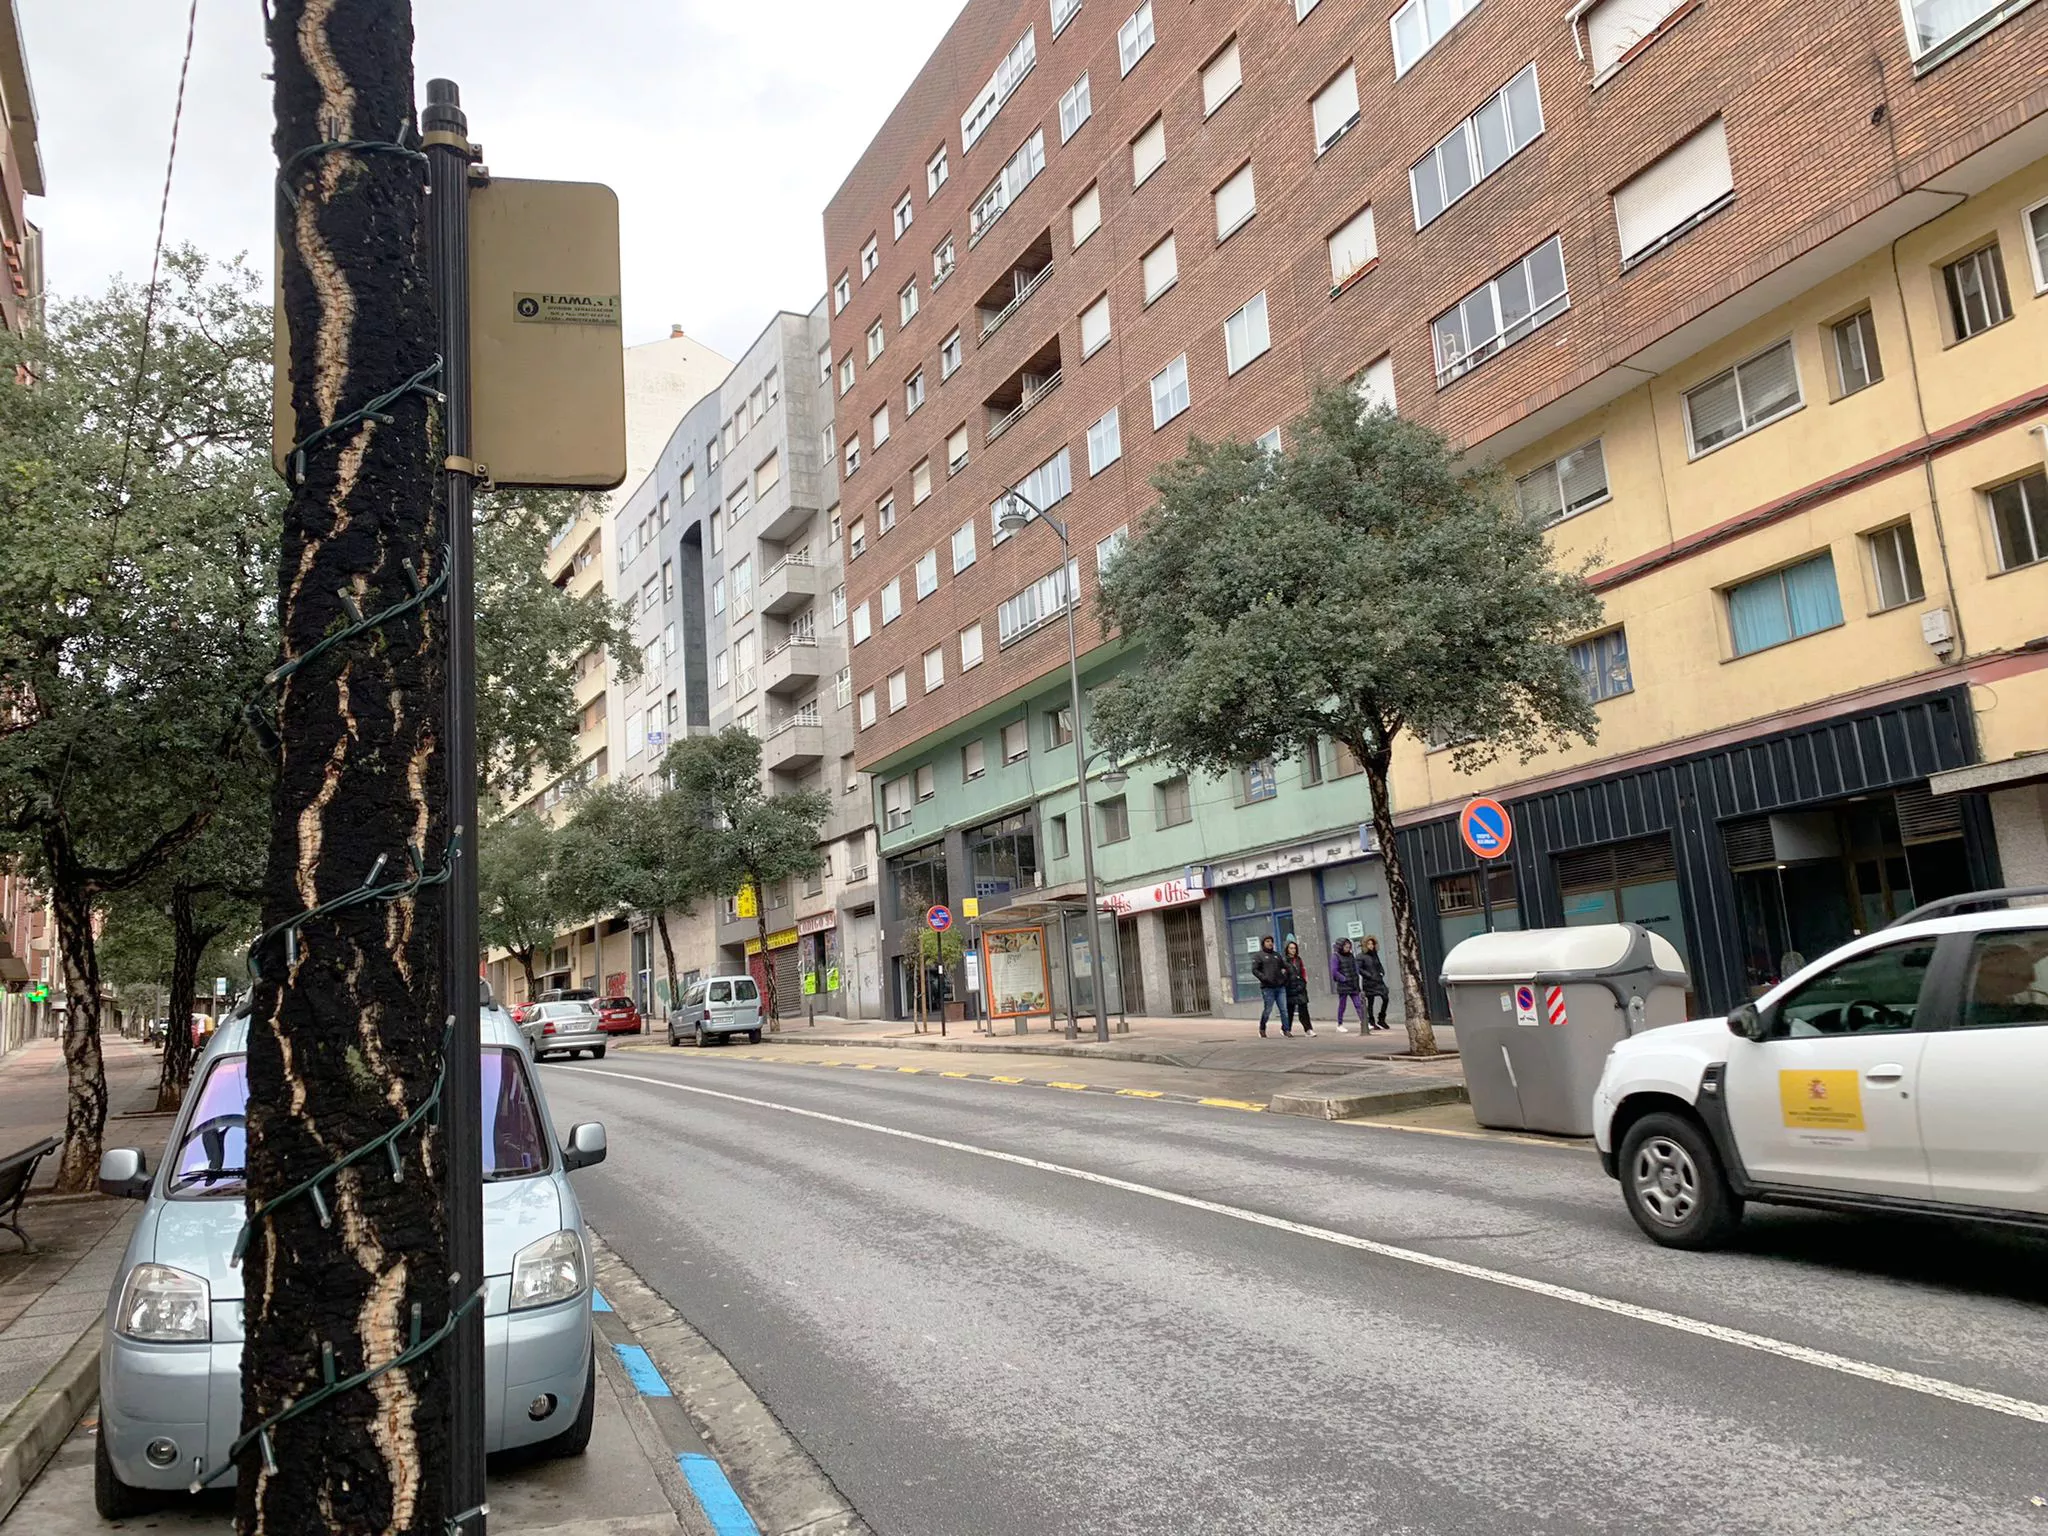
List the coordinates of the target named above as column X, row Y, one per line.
column 348, row 1018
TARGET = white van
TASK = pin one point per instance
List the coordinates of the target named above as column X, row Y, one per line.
column 715, row 1006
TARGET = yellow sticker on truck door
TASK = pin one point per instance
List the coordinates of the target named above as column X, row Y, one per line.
column 1822, row 1107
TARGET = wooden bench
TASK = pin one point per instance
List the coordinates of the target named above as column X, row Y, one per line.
column 16, row 1170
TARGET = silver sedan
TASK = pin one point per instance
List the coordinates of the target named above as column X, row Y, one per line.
column 563, row 1029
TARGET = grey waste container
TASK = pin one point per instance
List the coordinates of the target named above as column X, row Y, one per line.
column 1537, row 1010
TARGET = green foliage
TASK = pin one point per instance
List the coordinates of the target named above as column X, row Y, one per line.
column 520, row 903
column 627, row 850
column 744, row 834
column 1354, row 587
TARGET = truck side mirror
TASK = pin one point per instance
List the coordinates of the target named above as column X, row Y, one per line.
column 1747, row 1022
column 124, row 1173
column 586, row 1145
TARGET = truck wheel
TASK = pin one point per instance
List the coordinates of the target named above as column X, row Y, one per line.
column 1671, row 1178
column 704, row 1035
column 114, row 1499
column 753, row 1037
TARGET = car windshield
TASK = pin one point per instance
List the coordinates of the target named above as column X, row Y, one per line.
column 210, row 1159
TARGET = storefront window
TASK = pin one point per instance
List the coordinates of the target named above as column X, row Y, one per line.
column 1459, row 913
column 1631, row 882
column 920, row 881
column 1002, row 860
column 1258, row 911
column 1351, row 908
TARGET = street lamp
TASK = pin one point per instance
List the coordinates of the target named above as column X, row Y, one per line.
column 1019, row 511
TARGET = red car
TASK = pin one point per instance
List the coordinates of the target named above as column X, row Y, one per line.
column 619, row 1016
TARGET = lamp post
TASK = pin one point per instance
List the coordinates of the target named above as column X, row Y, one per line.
column 1017, row 514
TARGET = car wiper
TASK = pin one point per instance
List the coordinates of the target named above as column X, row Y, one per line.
column 208, row 1176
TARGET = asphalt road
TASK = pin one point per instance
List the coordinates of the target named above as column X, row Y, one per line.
column 1264, row 1337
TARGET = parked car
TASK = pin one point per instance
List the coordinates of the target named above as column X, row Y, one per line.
column 1900, row 1073
column 171, row 1355
column 569, row 995
column 619, row 1016
column 562, row 1029
column 717, row 1008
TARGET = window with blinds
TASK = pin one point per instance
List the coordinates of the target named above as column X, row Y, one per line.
column 1752, row 393
column 1674, row 193
column 1569, row 483
column 1614, row 27
column 1637, row 861
column 1236, row 201
column 1785, row 605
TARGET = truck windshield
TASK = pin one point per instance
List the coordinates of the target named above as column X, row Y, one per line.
column 212, row 1154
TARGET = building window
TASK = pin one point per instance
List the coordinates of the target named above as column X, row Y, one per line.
column 956, row 450
column 1109, row 546
column 1019, row 173
column 2036, row 220
column 2019, row 513
column 1175, row 807
column 1930, row 23
column 1569, row 483
column 970, row 647
column 1602, row 661
column 1500, row 313
column 1105, row 442
column 927, row 574
column 1857, row 365
column 879, row 423
column 1221, row 77
column 1670, row 196
column 949, row 355
column 920, row 481
column 870, row 258
column 899, row 691
column 1161, row 268
column 846, row 374
column 743, row 587
column 963, row 546
column 690, row 474
column 1113, row 819
column 1785, row 605
column 1044, row 488
column 1353, row 248
column 721, row 669
column 902, row 216
column 973, row 760
column 838, row 605
column 892, row 600
column 913, row 393
column 1420, row 25
column 867, row 708
column 853, row 455
column 1169, row 391
column 876, row 341
column 1134, row 38
column 1095, row 327
column 1016, row 742
column 1075, row 108
column 906, row 303
column 1063, row 11
column 1269, row 444
column 1236, row 201
column 1312, row 764
column 767, row 475
column 717, row 525
column 1056, row 843
column 1084, row 215
column 1335, row 108
column 942, row 262
column 934, row 668
column 1477, row 147
column 1896, row 563
column 857, row 538
column 1977, row 297
column 1245, row 335
column 1614, row 27
column 863, row 623
column 935, row 172
column 1257, row 781
column 1059, row 727
column 1747, row 396
column 1010, row 73
column 718, row 596
column 711, row 454
column 1148, row 151
column 1036, row 604
column 896, row 811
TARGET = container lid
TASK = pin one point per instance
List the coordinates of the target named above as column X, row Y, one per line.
column 1598, row 949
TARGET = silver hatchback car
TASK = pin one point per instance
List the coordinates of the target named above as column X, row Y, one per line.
column 171, row 1357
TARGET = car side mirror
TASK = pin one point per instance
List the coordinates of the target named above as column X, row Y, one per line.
column 1747, row 1022
column 124, row 1173
column 586, row 1145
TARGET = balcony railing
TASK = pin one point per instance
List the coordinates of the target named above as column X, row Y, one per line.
column 994, row 322
column 794, row 557
column 1044, row 387
column 808, row 715
column 775, row 650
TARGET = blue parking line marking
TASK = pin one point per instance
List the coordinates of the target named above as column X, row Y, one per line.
column 597, row 1301
column 716, row 1497
column 641, row 1368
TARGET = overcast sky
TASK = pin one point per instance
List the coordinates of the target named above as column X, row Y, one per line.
column 724, row 128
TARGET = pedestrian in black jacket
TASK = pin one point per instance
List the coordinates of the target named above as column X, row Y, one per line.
column 1344, row 981
column 1270, row 972
column 1372, row 983
column 1297, row 990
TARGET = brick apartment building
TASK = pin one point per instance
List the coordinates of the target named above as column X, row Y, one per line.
column 1749, row 299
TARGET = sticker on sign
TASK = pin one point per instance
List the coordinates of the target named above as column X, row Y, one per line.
column 566, row 308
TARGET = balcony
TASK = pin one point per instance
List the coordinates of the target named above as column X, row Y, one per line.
column 1007, row 295
column 790, row 583
column 792, row 666
column 797, row 745
column 1016, row 395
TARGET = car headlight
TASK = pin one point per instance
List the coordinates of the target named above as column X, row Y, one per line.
column 161, row 1305
column 548, row 1271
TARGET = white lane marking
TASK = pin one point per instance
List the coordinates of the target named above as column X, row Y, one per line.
column 1910, row 1381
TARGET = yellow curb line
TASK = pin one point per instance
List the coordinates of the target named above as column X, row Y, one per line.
column 956, row 1074
column 1139, row 1093
column 1257, row 1109
column 1006, row 1079
column 910, row 1069
column 1482, row 1135
column 1071, row 1087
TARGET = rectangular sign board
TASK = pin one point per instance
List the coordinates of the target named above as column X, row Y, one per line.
column 546, row 351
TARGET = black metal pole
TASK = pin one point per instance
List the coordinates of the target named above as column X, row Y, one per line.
column 1486, row 892
column 446, row 132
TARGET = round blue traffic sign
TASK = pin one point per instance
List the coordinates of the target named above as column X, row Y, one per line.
column 1486, row 828
column 941, row 918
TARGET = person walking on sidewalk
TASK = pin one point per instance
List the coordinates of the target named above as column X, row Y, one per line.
column 1372, row 983
column 1345, row 983
column 1270, row 972
column 1297, row 990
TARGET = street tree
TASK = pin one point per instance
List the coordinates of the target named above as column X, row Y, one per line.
column 936, row 949
column 750, row 839
column 136, row 512
column 1358, row 585
column 521, row 903
column 626, row 849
